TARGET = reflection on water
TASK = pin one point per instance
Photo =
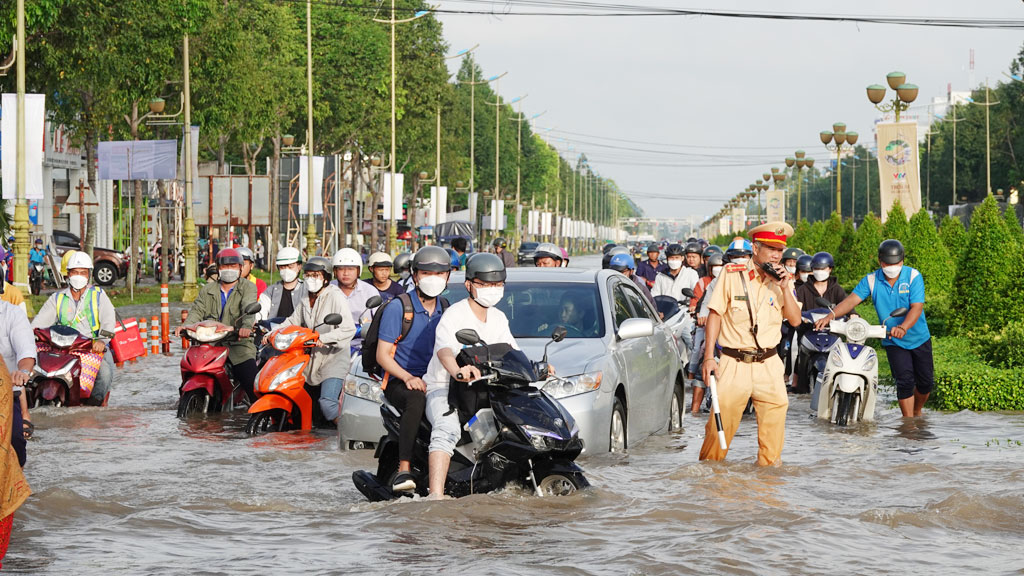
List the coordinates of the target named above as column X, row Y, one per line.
column 132, row 490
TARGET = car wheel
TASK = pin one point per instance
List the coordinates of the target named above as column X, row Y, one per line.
column 617, row 430
column 675, row 411
column 105, row 274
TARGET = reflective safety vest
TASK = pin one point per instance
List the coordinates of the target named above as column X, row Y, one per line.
column 67, row 317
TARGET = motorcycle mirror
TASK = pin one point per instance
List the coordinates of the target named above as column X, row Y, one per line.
column 252, row 308
column 558, row 334
column 688, row 292
column 467, row 337
column 374, row 301
column 899, row 313
column 823, row 303
column 335, row 319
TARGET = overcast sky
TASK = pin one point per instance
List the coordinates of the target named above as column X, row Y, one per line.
column 752, row 91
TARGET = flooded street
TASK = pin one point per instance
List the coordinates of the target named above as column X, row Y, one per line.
column 130, row 489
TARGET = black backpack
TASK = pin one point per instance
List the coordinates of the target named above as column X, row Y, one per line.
column 370, row 338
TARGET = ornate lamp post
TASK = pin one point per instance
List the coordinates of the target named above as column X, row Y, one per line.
column 839, row 140
column 905, row 94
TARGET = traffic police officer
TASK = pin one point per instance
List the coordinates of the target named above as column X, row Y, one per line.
column 747, row 309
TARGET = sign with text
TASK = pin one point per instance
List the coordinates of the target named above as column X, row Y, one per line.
column 776, row 208
column 898, row 167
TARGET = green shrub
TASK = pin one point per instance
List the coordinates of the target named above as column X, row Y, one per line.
column 863, row 254
column 953, row 235
column 801, row 236
column 927, row 253
column 831, row 235
column 1003, row 349
column 964, row 382
column 896, row 227
column 983, row 292
column 1013, row 224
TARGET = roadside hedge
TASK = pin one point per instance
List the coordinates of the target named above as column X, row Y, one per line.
column 964, row 382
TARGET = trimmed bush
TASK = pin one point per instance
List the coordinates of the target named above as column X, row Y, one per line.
column 1002, row 349
column 927, row 253
column 1013, row 224
column 953, row 235
column 896, row 226
column 863, row 257
column 831, row 235
column 983, row 294
column 801, row 235
column 964, row 382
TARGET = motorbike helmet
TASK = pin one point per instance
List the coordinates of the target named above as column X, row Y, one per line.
column 607, row 247
column 547, row 250
column 246, row 254
column 499, row 241
column 822, row 260
column 674, row 250
column 486, row 267
column 379, row 259
column 79, row 260
column 653, row 248
column 287, row 255
column 803, row 263
column 715, row 259
column 432, row 259
column 692, row 248
column 607, row 258
column 739, row 249
column 890, row 252
column 621, row 263
column 317, row 264
column 225, row 256
column 403, row 262
column 792, row 254
column 347, row 257
column 712, row 249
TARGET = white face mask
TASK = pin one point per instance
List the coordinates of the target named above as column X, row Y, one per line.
column 804, row 276
column 288, row 275
column 791, row 269
column 489, row 296
column 740, row 261
column 821, row 275
column 78, row 282
column 314, row 284
column 674, row 264
column 892, row 271
column 715, row 271
column 403, row 274
column 431, row 286
column 228, row 276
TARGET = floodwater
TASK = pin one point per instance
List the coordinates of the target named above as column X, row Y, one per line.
column 130, row 489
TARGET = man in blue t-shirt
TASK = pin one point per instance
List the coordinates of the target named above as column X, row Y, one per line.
column 909, row 345
column 404, row 358
column 650, row 268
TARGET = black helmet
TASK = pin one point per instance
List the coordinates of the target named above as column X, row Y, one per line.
column 674, row 250
column 822, row 260
column 712, row 249
column 653, row 248
column 691, row 239
column 607, row 247
column 607, row 258
column 432, row 259
column 499, row 241
column 403, row 262
column 803, row 263
column 547, row 250
column 485, row 266
column 715, row 259
column 792, row 254
column 693, row 248
column 317, row 264
column 890, row 252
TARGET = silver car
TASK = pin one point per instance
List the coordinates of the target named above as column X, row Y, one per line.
column 618, row 369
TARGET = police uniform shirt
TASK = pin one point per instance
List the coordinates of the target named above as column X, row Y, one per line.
column 766, row 303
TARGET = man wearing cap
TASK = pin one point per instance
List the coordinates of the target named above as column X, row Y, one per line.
column 746, row 312
column 380, row 276
column 650, row 268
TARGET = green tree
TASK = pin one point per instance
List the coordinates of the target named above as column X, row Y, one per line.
column 1013, row 224
column 896, row 227
column 953, row 235
column 831, row 237
column 926, row 252
column 845, row 250
column 863, row 256
column 983, row 284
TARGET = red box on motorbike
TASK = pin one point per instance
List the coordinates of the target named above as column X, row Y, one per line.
column 126, row 343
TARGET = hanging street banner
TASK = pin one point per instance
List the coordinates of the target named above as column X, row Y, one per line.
column 392, row 200
column 137, row 160
column 738, row 219
column 898, row 167
column 35, row 112
column 723, row 226
column 318, row 185
column 776, row 208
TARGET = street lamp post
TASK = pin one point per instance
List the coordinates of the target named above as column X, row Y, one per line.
column 473, row 83
column 437, row 170
column 21, row 222
column 905, row 94
column 988, row 143
column 310, row 185
column 840, row 137
column 519, row 119
column 497, row 140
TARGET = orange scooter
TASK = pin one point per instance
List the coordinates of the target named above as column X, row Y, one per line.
column 284, row 400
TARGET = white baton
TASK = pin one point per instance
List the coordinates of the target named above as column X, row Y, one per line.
column 713, row 388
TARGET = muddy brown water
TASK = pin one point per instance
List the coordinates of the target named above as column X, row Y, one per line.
column 130, row 489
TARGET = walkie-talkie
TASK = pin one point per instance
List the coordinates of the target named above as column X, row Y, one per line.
column 771, row 271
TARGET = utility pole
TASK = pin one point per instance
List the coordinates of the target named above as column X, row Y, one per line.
column 311, row 218
column 189, row 236
column 21, row 222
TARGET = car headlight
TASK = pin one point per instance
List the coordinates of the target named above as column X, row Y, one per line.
column 282, row 341
column 365, row 388
column 62, row 340
column 836, row 358
column 871, row 361
column 284, row 376
column 572, row 385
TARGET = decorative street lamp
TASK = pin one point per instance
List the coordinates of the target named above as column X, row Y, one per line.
column 839, row 140
column 905, row 94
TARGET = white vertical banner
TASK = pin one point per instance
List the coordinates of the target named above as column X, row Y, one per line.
column 442, row 210
column 318, row 185
column 546, row 228
column 494, row 215
column 529, row 221
column 392, row 200
column 501, row 215
column 473, row 200
column 35, row 129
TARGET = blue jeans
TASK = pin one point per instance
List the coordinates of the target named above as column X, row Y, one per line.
column 330, row 392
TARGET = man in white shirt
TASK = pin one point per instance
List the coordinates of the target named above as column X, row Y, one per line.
column 485, row 282
column 348, row 266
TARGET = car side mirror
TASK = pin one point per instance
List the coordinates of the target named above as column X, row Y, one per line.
column 823, row 303
column 467, row 337
column 335, row 319
column 252, row 308
column 558, row 334
column 635, row 328
column 374, row 301
column 899, row 313
column 688, row 292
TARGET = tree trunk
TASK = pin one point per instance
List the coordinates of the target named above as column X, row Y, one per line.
column 222, row 143
column 90, row 175
column 374, row 236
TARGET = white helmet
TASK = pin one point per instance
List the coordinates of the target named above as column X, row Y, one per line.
column 287, row 255
column 348, row 257
column 79, row 260
column 379, row 259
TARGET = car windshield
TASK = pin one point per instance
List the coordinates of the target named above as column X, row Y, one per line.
column 527, row 246
column 535, row 310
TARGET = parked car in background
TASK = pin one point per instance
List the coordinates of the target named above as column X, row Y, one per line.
column 618, row 370
column 526, row 252
column 109, row 266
